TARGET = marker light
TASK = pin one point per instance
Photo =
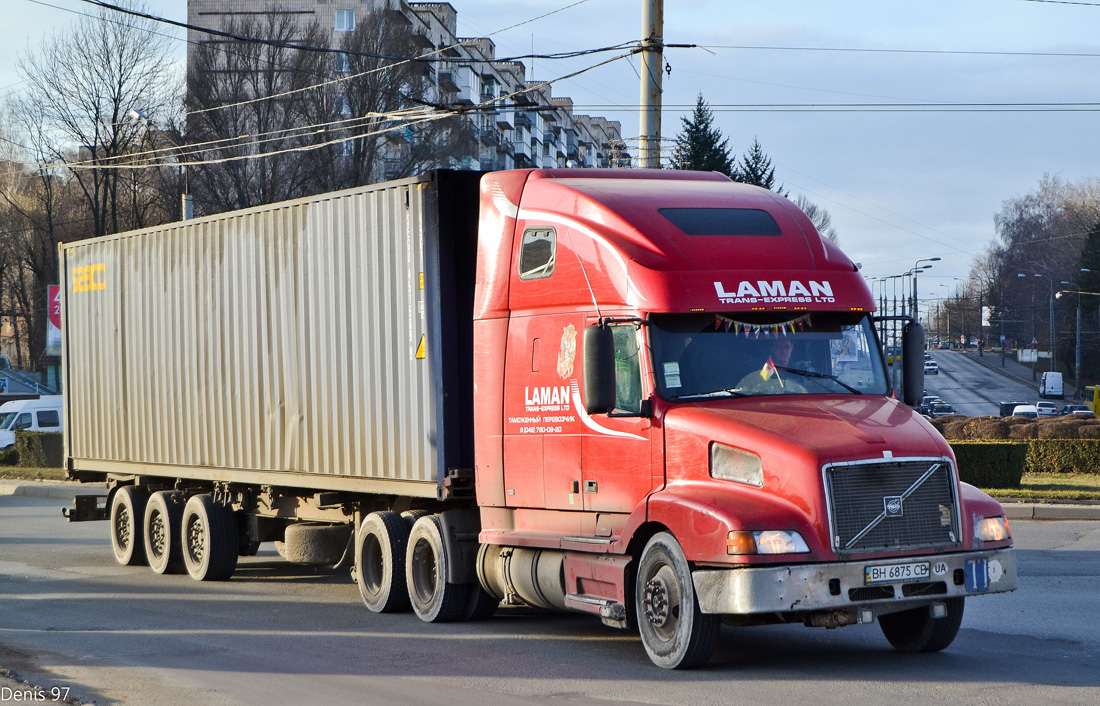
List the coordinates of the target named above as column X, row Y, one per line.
column 733, row 464
column 766, row 542
column 993, row 529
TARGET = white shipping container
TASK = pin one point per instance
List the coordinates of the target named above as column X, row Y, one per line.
column 305, row 343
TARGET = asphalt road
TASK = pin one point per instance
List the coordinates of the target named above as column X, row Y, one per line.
column 278, row 634
column 971, row 388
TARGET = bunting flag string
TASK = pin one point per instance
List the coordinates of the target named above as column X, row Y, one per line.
column 782, row 328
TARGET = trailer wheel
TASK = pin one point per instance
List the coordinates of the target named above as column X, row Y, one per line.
column 210, row 539
column 433, row 599
column 675, row 633
column 917, row 631
column 380, row 547
column 163, row 517
column 127, row 516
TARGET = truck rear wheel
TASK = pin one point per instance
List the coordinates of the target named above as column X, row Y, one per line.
column 210, row 539
column 163, row 517
column 675, row 633
column 127, row 518
column 433, row 598
column 380, row 547
column 917, row 631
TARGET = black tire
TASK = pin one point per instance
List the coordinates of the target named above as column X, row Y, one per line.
column 127, row 518
column 917, row 631
column 675, row 633
column 163, row 519
column 210, row 539
column 433, row 599
column 380, row 547
column 315, row 544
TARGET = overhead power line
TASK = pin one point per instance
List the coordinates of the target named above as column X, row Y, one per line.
column 337, row 50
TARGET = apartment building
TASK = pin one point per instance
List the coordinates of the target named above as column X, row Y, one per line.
column 511, row 122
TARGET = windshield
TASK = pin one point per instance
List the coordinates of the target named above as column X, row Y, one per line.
column 5, row 420
column 748, row 355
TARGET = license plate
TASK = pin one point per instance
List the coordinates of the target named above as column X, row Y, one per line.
column 896, row 573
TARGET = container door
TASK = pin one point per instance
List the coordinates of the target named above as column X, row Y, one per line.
column 617, row 450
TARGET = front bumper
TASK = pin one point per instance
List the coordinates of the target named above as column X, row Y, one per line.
column 813, row 587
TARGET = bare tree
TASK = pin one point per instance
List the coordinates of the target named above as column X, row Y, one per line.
column 822, row 219
column 81, row 85
column 379, row 90
column 315, row 121
column 247, row 98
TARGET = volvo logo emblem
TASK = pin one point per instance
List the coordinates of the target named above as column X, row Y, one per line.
column 893, row 506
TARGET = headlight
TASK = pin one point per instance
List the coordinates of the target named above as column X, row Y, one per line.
column 766, row 542
column 733, row 464
column 992, row 529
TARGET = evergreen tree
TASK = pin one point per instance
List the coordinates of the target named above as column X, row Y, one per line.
column 756, row 168
column 700, row 145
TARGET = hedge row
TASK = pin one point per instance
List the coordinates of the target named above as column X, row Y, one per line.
column 40, row 449
column 957, row 427
column 991, row 464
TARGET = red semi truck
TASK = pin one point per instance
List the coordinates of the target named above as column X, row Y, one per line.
column 657, row 397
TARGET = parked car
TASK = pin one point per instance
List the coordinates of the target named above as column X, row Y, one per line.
column 1050, row 385
column 1077, row 410
column 1025, row 410
column 42, row 414
column 931, row 367
column 926, row 403
column 1046, row 409
column 927, row 355
column 941, row 410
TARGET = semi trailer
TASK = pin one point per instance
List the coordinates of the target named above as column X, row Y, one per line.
column 653, row 396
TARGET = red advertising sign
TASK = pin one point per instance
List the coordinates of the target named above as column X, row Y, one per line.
column 53, row 328
column 55, row 305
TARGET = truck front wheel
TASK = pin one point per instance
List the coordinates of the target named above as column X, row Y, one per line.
column 675, row 633
column 210, row 539
column 380, row 547
column 127, row 520
column 917, row 631
column 433, row 598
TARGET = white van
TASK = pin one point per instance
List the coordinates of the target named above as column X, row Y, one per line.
column 1050, row 385
column 43, row 414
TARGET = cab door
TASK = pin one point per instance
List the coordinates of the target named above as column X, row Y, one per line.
column 617, row 449
column 542, row 440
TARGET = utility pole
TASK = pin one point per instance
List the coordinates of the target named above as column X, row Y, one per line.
column 649, row 117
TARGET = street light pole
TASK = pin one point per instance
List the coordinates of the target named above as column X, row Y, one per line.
column 186, row 209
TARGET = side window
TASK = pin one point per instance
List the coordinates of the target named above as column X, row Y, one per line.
column 22, row 422
column 628, row 373
column 48, row 418
column 536, row 253
column 345, row 21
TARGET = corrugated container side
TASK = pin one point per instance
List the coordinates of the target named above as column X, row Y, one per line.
column 279, row 344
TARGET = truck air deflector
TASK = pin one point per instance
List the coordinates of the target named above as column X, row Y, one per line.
column 894, row 505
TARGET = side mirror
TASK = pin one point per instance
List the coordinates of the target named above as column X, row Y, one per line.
column 912, row 360
column 599, row 369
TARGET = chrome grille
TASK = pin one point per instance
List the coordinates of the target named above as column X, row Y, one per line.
column 891, row 506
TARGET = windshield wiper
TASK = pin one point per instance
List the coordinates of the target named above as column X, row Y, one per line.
column 735, row 391
column 812, row 374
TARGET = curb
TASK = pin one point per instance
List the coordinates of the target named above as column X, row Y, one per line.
column 1041, row 511
column 50, row 490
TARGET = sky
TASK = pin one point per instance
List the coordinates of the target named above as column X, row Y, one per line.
column 901, row 183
